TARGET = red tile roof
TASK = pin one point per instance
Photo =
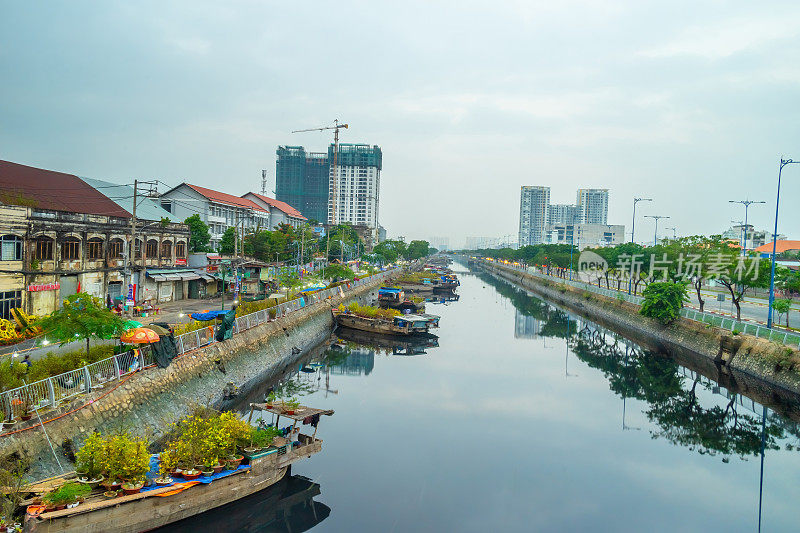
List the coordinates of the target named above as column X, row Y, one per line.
column 277, row 204
column 51, row 190
column 781, row 246
column 225, row 198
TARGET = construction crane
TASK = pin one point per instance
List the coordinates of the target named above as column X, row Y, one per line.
column 336, row 126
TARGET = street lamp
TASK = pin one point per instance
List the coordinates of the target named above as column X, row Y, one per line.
column 633, row 223
column 741, row 224
column 784, row 162
column 746, row 204
column 674, row 232
column 655, row 233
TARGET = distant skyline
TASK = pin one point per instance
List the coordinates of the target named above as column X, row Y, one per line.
column 689, row 104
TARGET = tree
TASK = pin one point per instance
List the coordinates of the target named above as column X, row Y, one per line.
column 783, row 307
column 389, row 250
column 663, row 300
column 744, row 273
column 417, row 250
column 199, row 236
column 81, row 316
column 227, row 245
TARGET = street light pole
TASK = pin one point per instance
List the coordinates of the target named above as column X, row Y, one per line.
column 655, row 233
column 784, row 162
column 674, row 233
column 633, row 222
column 746, row 204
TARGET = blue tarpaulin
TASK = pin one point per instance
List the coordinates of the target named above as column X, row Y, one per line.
column 211, row 315
column 202, row 479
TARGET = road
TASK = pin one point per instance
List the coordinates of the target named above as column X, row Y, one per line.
column 753, row 309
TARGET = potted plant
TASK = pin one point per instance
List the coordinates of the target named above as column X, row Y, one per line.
column 291, row 406
column 26, row 402
column 89, row 461
column 135, row 464
column 111, row 494
column 271, row 400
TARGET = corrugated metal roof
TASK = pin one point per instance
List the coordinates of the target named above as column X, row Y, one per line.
column 51, row 190
column 122, row 195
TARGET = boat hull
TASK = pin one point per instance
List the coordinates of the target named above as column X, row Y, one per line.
column 146, row 511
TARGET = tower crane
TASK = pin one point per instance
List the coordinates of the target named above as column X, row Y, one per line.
column 336, row 127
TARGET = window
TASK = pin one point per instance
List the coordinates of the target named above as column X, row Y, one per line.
column 70, row 249
column 152, row 248
column 138, row 249
column 115, row 248
column 10, row 248
column 166, row 249
column 180, row 249
column 8, row 301
column 44, row 249
column 94, row 248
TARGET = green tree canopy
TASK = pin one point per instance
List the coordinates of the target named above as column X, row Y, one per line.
column 227, row 245
column 82, row 316
column 199, row 236
column 417, row 250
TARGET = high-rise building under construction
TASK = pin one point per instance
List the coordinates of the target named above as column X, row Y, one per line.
column 302, row 181
column 306, row 180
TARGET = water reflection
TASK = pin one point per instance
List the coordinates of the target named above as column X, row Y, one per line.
column 388, row 344
column 715, row 422
column 286, row 507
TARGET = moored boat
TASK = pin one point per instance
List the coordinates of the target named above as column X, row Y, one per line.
column 160, row 506
column 409, row 324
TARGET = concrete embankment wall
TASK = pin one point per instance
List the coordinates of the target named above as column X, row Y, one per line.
column 763, row 370
column 147, row 402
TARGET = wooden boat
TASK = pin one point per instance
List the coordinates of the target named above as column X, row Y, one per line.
column 399, row 325
column 394, row 298
column 158, row 507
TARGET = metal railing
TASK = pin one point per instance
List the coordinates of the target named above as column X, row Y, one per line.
column 750, row 328
column 52, row 391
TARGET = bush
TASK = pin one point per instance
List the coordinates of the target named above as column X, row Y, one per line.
column 663, row 301
column 369, row 311
column 52, row 364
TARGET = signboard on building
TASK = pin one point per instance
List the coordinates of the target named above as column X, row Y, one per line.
column 180, row 261
column 44, row 287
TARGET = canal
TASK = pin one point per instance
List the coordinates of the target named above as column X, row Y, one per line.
column 525, row 418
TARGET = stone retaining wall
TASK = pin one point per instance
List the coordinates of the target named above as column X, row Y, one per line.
column 149, row 401
column 750, row 368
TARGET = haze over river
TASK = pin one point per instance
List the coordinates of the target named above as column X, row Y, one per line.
column 525, row 418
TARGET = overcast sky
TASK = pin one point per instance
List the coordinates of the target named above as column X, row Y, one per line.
column 691, row 103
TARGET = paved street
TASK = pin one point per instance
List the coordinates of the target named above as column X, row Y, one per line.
column 754, row 309
column 169, row 312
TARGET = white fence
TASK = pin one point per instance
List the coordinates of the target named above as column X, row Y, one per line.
column 52, row 391
column 731, row 324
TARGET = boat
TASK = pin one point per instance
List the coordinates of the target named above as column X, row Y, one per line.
column 409, row 324
column 160, row 506
column 394, row 298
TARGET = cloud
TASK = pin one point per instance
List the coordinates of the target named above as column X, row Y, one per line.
column 721, row 39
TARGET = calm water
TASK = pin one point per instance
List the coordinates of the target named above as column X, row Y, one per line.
column 525, row 418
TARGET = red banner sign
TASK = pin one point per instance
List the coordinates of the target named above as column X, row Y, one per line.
column 44, row 287
column 180, row 261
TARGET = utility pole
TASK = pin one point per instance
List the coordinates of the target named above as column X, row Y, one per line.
column 655, row 233
column 746, row 204
column 674, row 232
column 133, row 239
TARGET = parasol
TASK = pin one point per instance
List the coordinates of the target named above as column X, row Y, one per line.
column 139, row 336
column 130, row 324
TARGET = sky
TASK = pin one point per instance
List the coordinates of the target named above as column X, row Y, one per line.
column 690, row 103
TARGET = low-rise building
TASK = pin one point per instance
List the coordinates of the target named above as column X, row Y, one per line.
column 279, row 212
column 61, row 234
column 587, row 235
column 216, row 209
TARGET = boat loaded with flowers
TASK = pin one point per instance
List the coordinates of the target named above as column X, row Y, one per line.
column 386, row 321
column 210, row 459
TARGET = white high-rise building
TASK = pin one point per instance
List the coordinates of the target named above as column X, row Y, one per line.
column 593, row 206
column 358, row 179
column 534, row 205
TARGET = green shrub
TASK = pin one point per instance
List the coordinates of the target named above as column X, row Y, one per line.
column 663, row 301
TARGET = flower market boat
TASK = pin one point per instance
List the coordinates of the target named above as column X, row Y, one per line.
column 158, row 506
column 398, row 325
